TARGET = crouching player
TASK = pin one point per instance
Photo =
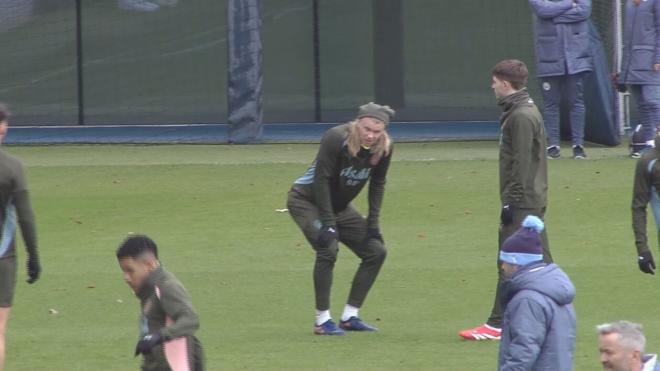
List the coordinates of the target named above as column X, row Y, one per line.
column 168, row 320
column 320, row 203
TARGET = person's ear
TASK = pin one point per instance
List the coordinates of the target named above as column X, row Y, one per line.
column 152, row 261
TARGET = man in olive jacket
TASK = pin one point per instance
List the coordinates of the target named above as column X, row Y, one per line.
column 645, row 192
column 523, row 172
column 15, row 211
column 168, row 322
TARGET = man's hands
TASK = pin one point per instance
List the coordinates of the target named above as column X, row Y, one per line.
column 506, row 216
column 149, row 341
column 33, row 268
column 327, row 236
column 646, row 263
column 621, row 88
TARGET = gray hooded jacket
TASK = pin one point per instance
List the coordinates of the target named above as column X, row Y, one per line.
column 561, row 37
column 641, row 43
column 538, row 331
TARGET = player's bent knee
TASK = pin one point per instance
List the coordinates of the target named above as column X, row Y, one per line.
column 382, row 254
column 328, row 253
column 377, row 257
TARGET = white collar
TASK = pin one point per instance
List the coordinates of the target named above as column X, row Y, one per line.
column 649, row 364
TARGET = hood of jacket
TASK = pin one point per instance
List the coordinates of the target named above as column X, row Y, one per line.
column 547, row 279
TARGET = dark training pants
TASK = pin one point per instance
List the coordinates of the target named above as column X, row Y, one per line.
column 648, row 101
column 505, row 231
column 569, row 88
column 7, row 281
column 352, row 229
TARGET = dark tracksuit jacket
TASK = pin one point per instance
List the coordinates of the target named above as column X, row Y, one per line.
column 15, row 207
column 166, row 308
column 523, row 163
column 336, row 178
column 523, row 174
column 645, row 188
column 15, row 210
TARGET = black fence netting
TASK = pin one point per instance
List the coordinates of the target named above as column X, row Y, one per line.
column 116, row 62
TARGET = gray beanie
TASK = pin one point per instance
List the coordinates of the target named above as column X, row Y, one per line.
column 371, row 109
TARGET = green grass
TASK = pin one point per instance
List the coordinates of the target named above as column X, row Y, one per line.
column 248, row 268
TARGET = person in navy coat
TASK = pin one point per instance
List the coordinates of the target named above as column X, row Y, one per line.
column 563, row 58
column 640, row 68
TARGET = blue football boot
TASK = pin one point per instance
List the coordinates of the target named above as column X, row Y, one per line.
column 328, row 328
column 356, row 324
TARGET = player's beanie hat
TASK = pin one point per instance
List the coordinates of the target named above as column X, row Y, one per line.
column 371, row 109
column 524, row 246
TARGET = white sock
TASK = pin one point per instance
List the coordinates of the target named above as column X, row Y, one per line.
column 349, row 311
column 651, row 143
column 322, row 316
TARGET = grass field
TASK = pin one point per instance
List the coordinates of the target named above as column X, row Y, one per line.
column 248, row 269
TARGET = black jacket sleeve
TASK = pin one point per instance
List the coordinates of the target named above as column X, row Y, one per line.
column 325, row 173
column 21, row 200
column 522, row 132
column 177, row 306
column 641, row 197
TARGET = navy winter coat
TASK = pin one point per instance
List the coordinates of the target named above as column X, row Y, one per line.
column 561, row 37
column 538, row 332
column 641, row 43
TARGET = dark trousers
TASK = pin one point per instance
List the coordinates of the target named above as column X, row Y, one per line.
column 569, row 88
column 352, row 228
column 648, row 101
column 505, row 231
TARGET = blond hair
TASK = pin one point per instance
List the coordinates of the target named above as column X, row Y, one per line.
column 378, row 151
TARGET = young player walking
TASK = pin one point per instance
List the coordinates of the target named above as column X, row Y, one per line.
column 168, row 321
column 15, row 209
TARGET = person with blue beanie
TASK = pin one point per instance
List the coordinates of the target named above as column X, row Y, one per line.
column 539, row 324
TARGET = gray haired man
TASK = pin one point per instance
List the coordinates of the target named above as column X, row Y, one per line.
column 621, row 346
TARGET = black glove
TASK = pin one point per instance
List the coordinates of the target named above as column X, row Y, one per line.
column 327, row 236
column 646, row 263
column 147, row 342
column 375, row 233
column 506, row 217
column 33, row 268
column 621, row 88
